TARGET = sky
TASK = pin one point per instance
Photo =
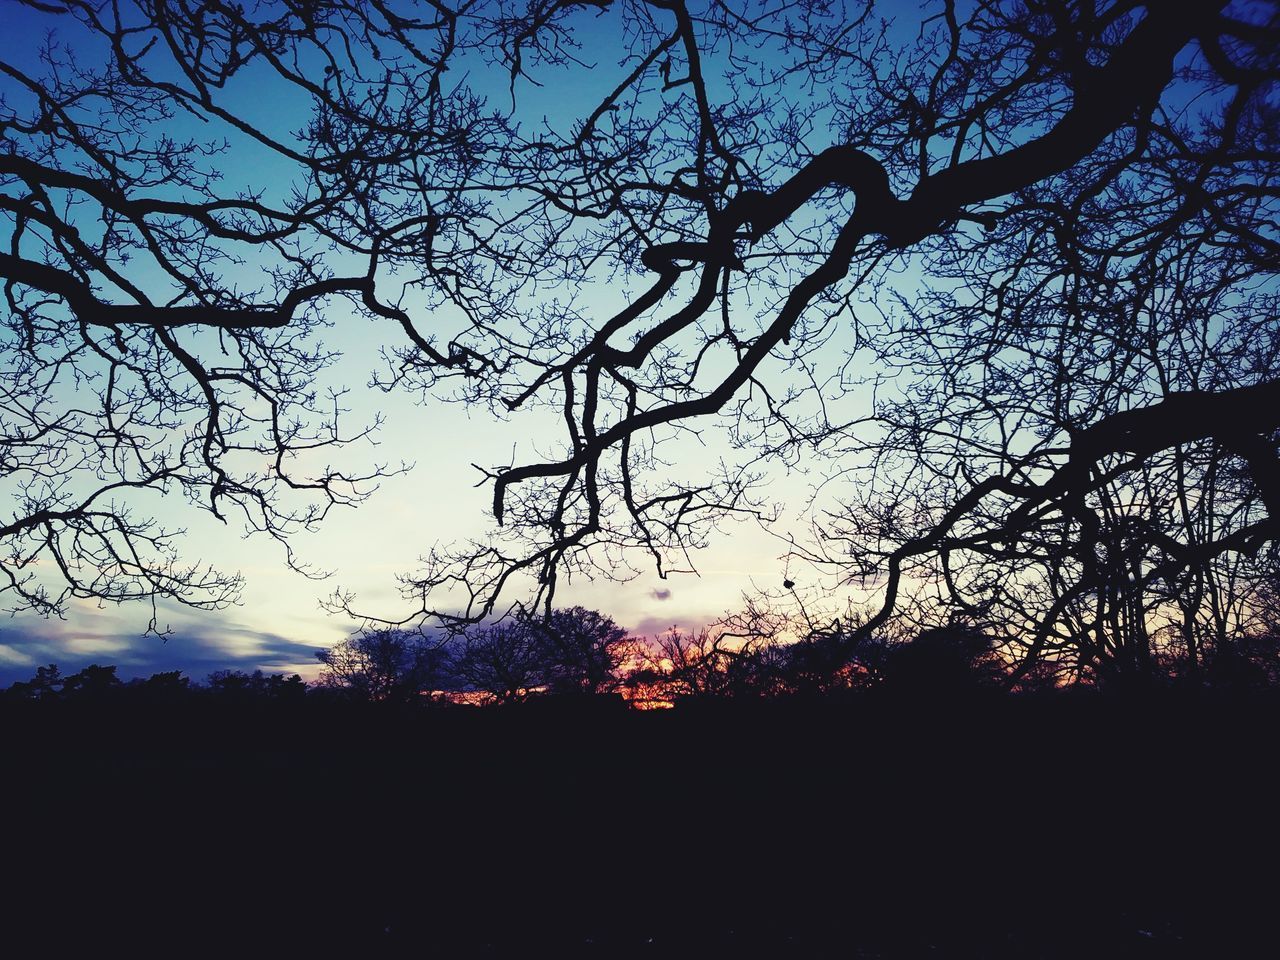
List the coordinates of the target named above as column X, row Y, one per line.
column 279, row 623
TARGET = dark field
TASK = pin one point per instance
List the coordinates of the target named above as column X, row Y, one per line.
column 1063, row 827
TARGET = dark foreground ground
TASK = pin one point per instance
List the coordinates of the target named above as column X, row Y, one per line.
column 1066, row 828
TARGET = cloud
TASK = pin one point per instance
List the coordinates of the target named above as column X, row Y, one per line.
column 651, row 626
column 663, row 594
column 196, row 649
column 11, row 655
column 82, row 644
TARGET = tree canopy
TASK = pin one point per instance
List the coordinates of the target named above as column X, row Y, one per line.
column 1002, row 272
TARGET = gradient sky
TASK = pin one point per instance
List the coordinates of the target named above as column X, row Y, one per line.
column 279, row 624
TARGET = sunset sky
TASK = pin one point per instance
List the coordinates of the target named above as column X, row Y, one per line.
column 828, row 370
column 280, row 624
column 902, row 377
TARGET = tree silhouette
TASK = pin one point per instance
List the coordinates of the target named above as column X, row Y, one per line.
column 581, row 650
column 945, row 660
column 384, row 665
column 45, row 685
column 241, row 686
column 1009, row 266
column 94, row 681
column 502, row 661
column 717, row 664
column 677, row 665
column 167, row 682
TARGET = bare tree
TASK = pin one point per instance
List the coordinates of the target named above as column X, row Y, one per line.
column 165, row 302
column 720, row 663
column 501, row 661
column 384, row 665
column 677, row 665
column 1086, row 254
column 1007, row 267
column 581, row 650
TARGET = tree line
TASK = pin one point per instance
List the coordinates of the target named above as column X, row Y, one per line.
column 575, row 653
column 97, row 682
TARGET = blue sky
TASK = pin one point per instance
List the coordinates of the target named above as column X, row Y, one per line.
column 279, row 624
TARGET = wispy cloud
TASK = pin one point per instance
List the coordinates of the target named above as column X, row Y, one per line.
column 650, row 626
column 196, row 649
